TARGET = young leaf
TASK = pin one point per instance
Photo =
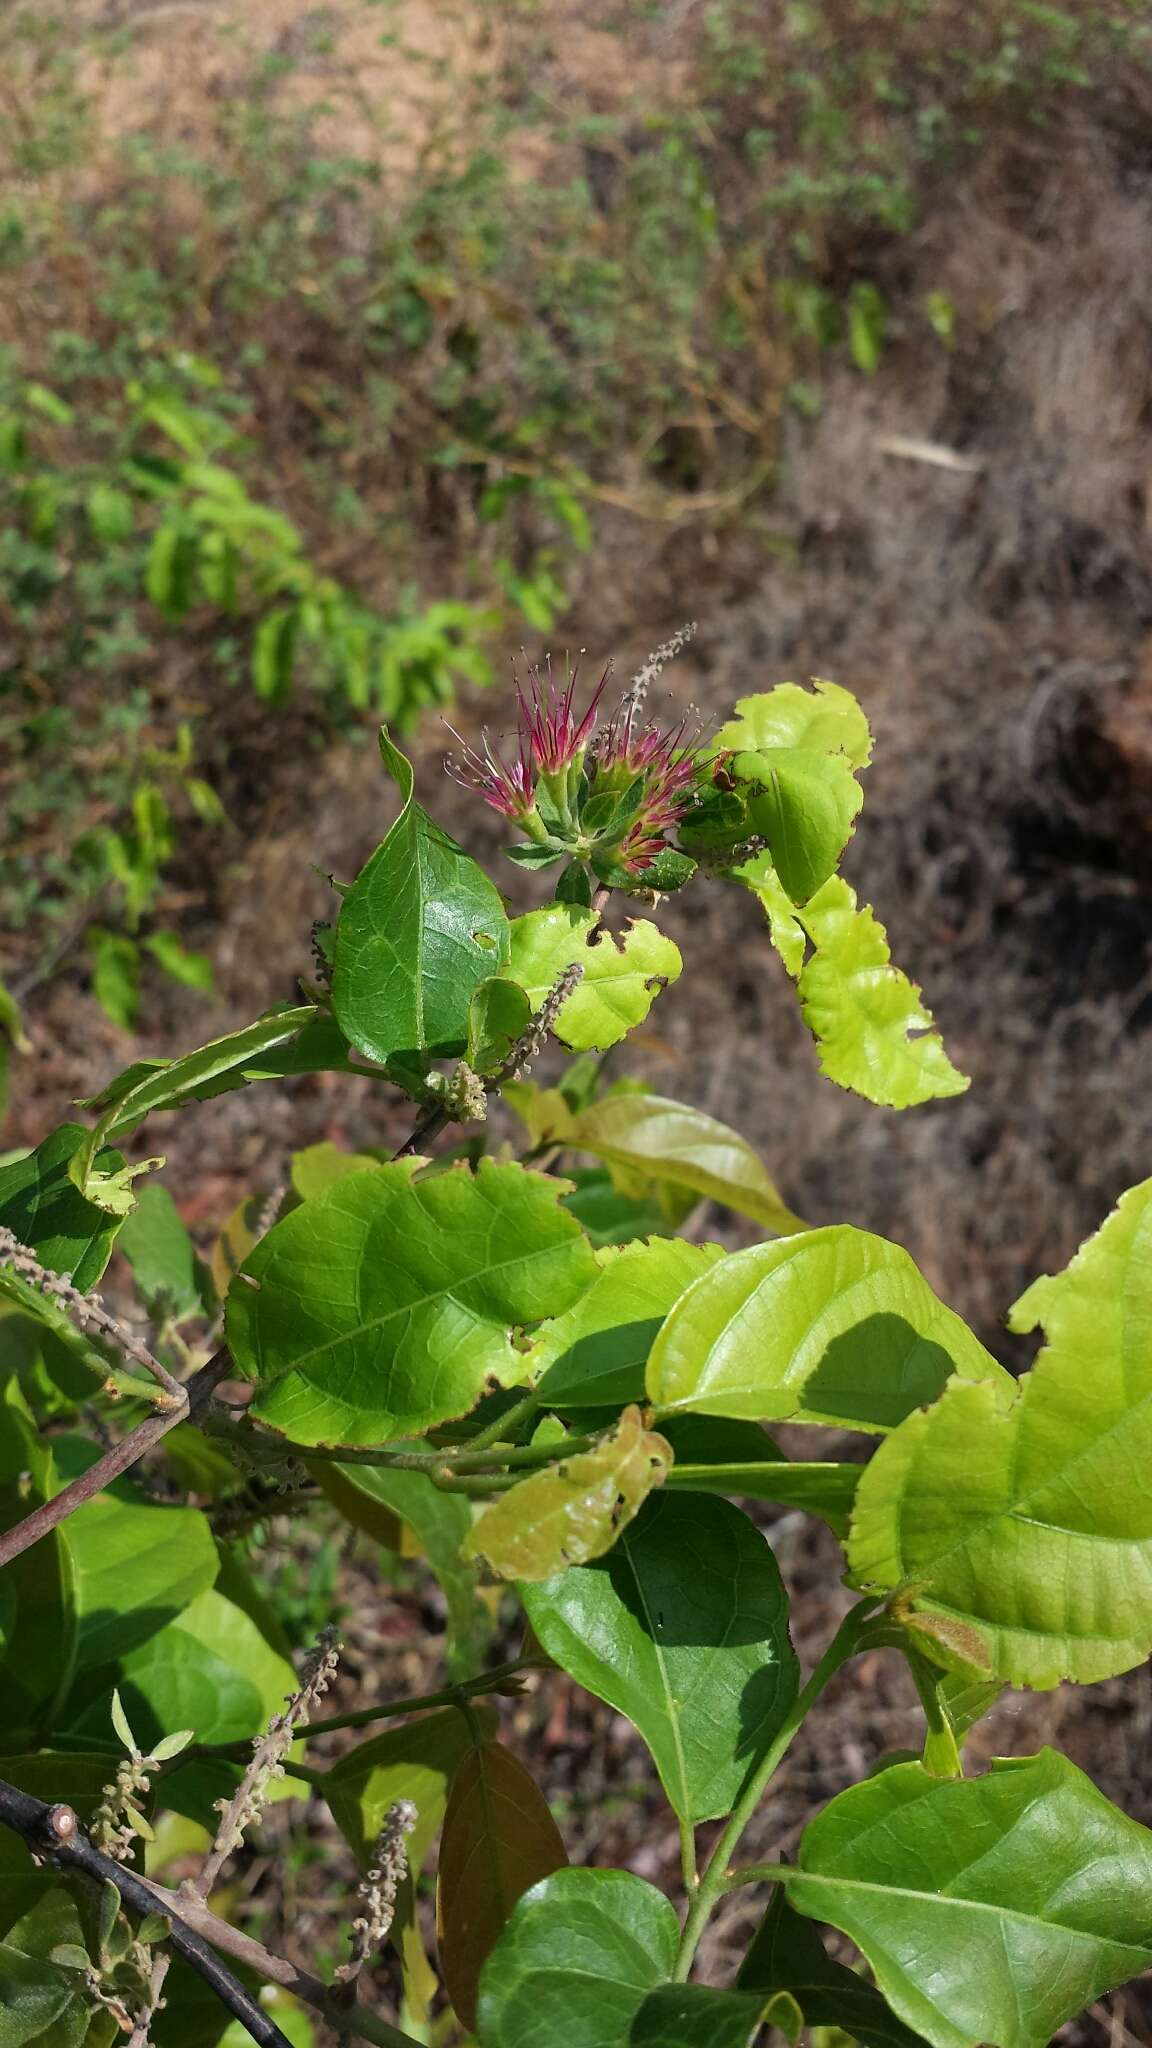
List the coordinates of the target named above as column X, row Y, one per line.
column 694, row 2016
column 594, row 1355
column 579, row 1954
column 871, row 1028
column 784, row 927
column 120, row 1724
column 623, row 972
column 418, row 1761
column 826, row 717
column 499, row 1012
column 683, row 1627
column 384, row 1306
column 989, row 1909
column 667, row 1141
column 499, row 1839
column 157, row 1246
column 1032, row 1528
column 573, row 1511
column 805, row 806
column 787, row 1955
column 40, row 1205
column 420, row 929
column 832, row 1326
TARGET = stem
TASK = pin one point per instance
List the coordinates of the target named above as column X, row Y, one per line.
column 428, row 1127
column 449, row 1696
column 688, row 1868
column 759, row 1873
column 523, row 1454
column 842, row 1646
column 127, row 1452
column 523, row 1411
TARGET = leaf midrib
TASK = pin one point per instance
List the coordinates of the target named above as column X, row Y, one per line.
column 893, row 1891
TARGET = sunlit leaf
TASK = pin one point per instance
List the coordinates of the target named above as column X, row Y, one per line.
column 826, row 717
column 574, row 1510
column 666, row 1141
column 594, row 1355
column 575, row 1962
column 41, row 1206
column 623, row 972
column 804, row 805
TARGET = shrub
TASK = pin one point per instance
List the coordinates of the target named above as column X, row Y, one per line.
column 534, row 1378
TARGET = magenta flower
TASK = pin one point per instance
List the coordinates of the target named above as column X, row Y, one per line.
column 506, row 785
column 669, row 763
column 549, row 729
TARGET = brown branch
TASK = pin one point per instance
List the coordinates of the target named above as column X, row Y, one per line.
column 88, row 1312
column 55, row 1832
column 48, row 1516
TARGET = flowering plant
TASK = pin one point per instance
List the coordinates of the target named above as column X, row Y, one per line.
column 539, row 1374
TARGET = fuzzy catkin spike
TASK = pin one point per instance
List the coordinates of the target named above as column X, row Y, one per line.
column 648, row 671
column 88, row 1312
column 240, row 1812
column 378, row 1889
column 530, row 1041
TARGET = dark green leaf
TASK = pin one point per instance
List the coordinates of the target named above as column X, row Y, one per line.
column 420, row 929
column 40, row 1205
column 594, row 1356
column 576, row 1961
column 693, row 2016
column 683, row 1627
column 161, row 1254
column 788, row 1955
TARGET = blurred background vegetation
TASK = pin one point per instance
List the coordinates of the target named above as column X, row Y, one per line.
column 345, row 347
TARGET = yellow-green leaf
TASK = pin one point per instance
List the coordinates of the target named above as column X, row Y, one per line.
column 826, row 717
column 623, row 972
column 667, row 1141
column 573, row 1511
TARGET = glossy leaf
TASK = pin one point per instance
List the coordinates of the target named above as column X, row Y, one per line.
column 694, row 2016
column 989, row 1909
column 623, row 972
column 162, row 1085
column 784, row 927
column 416, row 1760
column 833, row 1326
column 41, row 1206
column 573, row 1511
column 133, row 1567
column 594, row 1355
column 787, row 1955
column 406, row 1511
column 384, row 1306
column 420, row 929
column 827, row 717
column 156, row 1244
column 212, row 1669
column 872, row 1031
column 499, row 1839
column 804, row 806
column 576, row 1961
column 666, row 1141
column 683, row 1627
column 1031, row 1529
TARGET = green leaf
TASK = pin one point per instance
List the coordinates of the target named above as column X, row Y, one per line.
column 437, row 1524
column 121, row 1725
column 787, row 1955
column 133, row 1567
column 499, row 1012
column 623, row 972
column 212, row 1669
column 575, row 1962
column 683, row 1627
column 115, row 974
column 667, row 1141
column 693, row 2016
column 805, row 807
column 594, row 1356
column 274, row 653
column 720, row 1456
column 1031, row 1527
column 833, row 1326
column 152, row 1085
column 157, row 1246
column 499, row 1840
column 608, row 1216
column 319, row 1167
column 827, row 717
column 169, row 573
column 75, row 1779
column 110, row 512
column 784, row 927
column 420, row 929
column 385, row 1306
column 575, row 1510
column 871, row 1028
column 40, row 1205
column 415, row 1761
column 989, row 1909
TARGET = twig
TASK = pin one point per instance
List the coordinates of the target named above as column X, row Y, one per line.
column 193, row 1396
column 501, row 1679
column 54, row 1831
column 238, row 1813
column 89, row 1312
